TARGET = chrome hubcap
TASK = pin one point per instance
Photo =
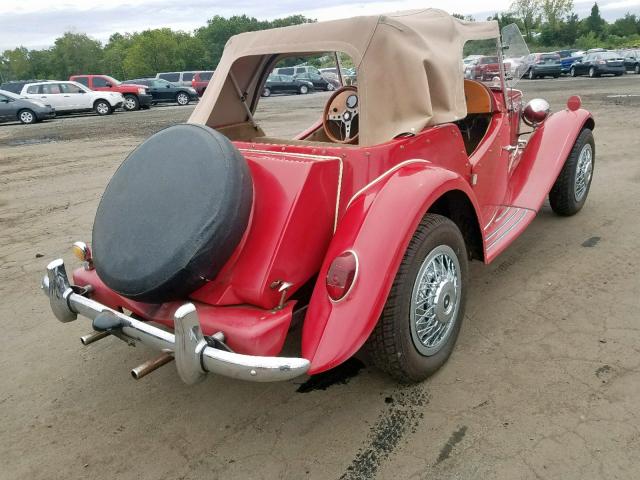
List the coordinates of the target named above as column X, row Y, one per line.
column 584, row 171
column 26, row 117
column 102, row 108
column 182, row 99
column 435, row 300
column 130, row 103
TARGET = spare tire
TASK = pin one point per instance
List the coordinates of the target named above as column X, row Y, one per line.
column 172, row 214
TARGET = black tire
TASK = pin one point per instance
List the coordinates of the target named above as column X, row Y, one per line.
column 593, row 73
column 182, row 99
column 330, row 87
column 619, row 74
column 303, row 89
column 562, row 196
column 102, row 107
column 391, row 346
column 131, row 102
column 556, row 76
column 636, row 69
column 27, row 116
column 531, row 75
column 572, row 72
column 181, row 236
column 266, row 92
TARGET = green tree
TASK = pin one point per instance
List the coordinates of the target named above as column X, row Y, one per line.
column 625, row 27
column 554, row 11
column 153, row 51
column 594, row 23
column 528, row 11
column 115, row 52
column 16, row 64
column 75, row 53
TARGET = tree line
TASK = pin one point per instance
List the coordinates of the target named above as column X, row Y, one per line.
column 546, row 24
column 553, row 24
column 134, row 55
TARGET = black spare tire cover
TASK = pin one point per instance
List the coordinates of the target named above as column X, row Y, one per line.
column 172, row 214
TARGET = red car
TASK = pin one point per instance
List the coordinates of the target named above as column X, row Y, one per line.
column 486, row 68
column 213, row 239
column 200, row 81
column 135, row 96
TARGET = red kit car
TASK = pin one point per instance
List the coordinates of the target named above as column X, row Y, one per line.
column 213, row 238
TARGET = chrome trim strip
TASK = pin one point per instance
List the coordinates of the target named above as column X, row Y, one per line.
column 379, row 178
column 502, row 225
column 66, row 305
column 502, row 235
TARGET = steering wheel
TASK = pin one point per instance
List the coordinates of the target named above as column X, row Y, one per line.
column 340, row 120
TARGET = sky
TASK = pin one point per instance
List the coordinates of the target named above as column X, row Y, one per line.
column 37, row 23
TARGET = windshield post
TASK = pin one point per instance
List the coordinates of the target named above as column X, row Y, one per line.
column 503, row 74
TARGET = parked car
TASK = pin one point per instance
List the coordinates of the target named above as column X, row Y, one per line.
column 183, row 79
column 632, row 61
column 285, row 84
column 297, row 70
column 15, row 86
column 484, row 68
column 317, row 80
column 70, row 97
column 349, row 76
column 200, row 81
column 541, row 65
column 216, row 236
column 567, row 62
column 162, row 91
column 14, row 107
column 135, row 96
column 599, row 63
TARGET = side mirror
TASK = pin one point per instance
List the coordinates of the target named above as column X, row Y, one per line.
column 536, row 112
column 168, row 86
column 81, row 91
column 108, row 85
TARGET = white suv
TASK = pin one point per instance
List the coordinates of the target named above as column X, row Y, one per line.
column 67, row 97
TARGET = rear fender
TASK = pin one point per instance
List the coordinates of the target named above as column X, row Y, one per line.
column 377, row 226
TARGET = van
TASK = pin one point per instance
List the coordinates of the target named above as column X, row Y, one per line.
column 180, row 78
column 297, row 70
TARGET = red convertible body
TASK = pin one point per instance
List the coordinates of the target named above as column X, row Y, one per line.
column 329, row 231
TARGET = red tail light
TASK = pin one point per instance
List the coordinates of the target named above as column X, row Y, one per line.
column 341, row 275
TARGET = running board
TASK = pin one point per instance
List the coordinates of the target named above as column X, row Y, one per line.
column 509, row 222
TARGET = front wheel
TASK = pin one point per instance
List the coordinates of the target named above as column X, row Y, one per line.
column 27, row 117
column 572, row 72
column 182, row 99
column 102, row 107
column 131, row 103
column 304, row 89
column 531, row 75
column 266, row 92
column 592, row 72
column 419, row 325
column 569, row 192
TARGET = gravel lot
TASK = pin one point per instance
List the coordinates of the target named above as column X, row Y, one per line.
column 544, row 382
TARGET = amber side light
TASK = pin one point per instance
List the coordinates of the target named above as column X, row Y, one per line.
column 341, row 275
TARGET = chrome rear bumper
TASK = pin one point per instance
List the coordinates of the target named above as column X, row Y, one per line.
column 194, row 357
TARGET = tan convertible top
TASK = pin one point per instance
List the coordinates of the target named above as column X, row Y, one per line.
column 409, row 68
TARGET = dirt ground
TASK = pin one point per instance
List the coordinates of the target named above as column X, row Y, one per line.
column 544, row 382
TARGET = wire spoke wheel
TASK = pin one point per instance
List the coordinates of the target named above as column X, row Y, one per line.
column 584, row 171
column 435, row 300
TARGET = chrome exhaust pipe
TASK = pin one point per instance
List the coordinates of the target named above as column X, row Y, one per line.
column 150, row 365
column 93, row 337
